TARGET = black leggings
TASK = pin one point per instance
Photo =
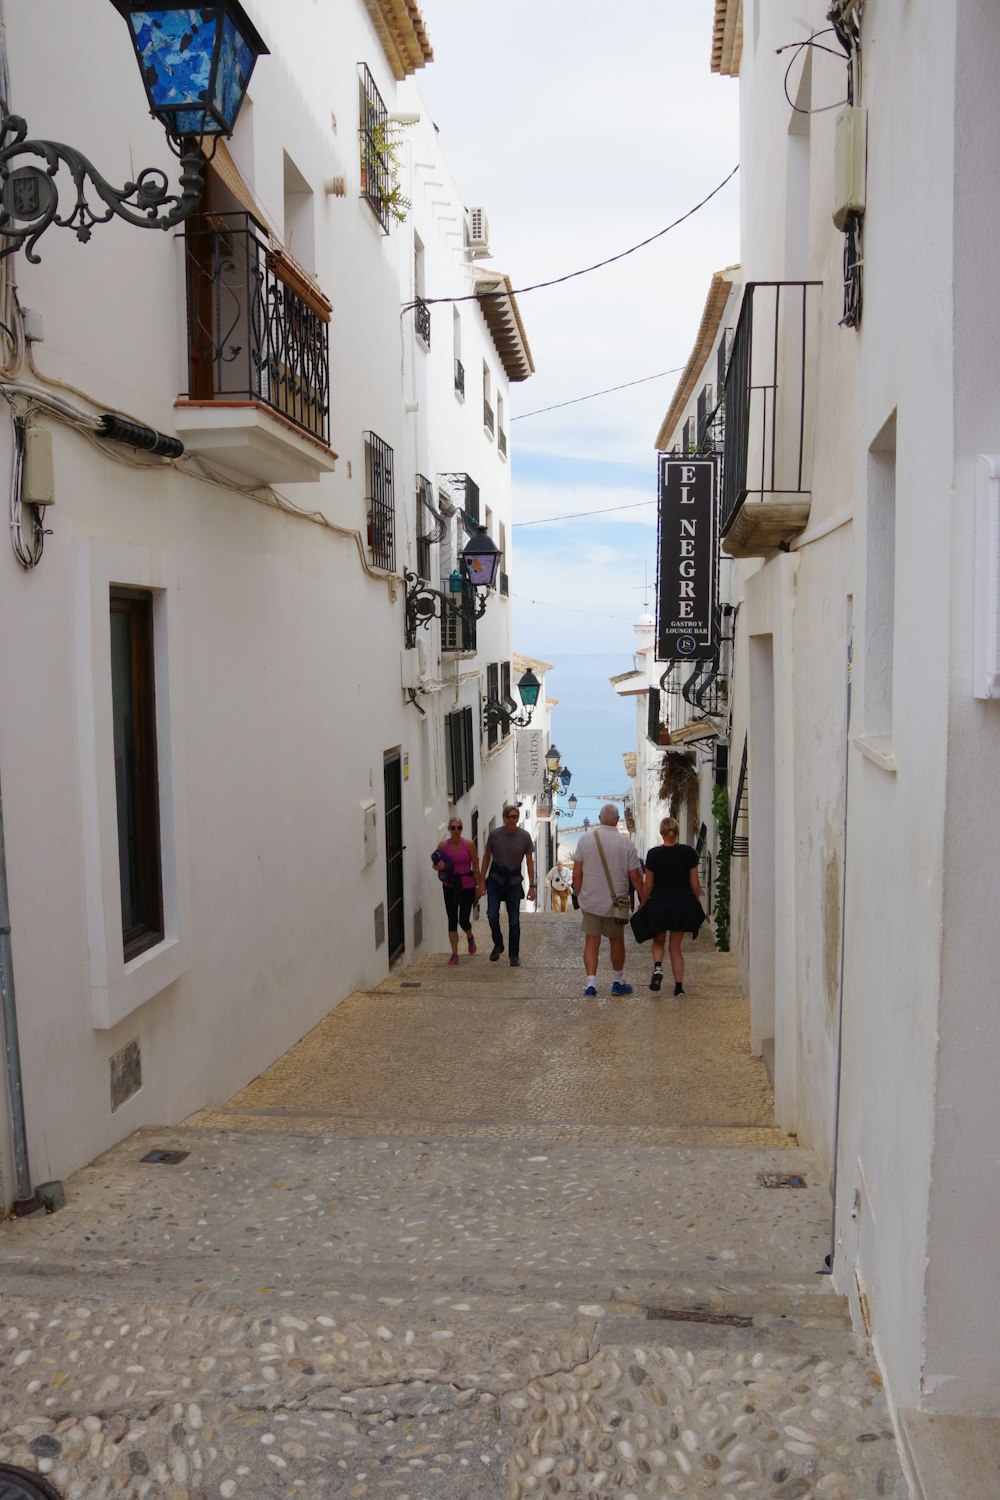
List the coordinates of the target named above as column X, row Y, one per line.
column 458, row 905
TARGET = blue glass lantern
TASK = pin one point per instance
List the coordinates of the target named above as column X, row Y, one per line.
column 196, row 62
column 454, row 582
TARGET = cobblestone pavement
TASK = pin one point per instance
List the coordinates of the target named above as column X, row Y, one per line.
column 478, row 1239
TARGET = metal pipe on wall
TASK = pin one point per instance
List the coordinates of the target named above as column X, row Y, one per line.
column 12, row 1051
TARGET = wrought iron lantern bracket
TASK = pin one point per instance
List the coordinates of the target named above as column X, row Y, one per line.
column 30, row 195
column 498, row 713
column 424, row 604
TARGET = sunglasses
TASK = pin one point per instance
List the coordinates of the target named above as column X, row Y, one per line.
column 453, row 826
column 507, row 817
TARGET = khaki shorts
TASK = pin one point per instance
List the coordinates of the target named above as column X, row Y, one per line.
column 594, row 926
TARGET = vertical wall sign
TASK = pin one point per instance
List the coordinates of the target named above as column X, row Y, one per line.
column 688, row 569
column 530, row 761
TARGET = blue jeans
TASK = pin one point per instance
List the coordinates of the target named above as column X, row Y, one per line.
column 509, row 896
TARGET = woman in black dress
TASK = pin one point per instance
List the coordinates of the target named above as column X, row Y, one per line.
column 673, row 892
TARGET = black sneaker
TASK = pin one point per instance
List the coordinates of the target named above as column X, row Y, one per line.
column 678, row 989
column 497, row 950
column 515, row 963
column 656, row 981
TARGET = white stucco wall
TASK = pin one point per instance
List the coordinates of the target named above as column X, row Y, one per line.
column 280, row 659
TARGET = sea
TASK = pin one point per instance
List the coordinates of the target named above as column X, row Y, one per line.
column 592, row 727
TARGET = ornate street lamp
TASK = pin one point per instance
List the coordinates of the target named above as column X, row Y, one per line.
column 501, row 711
column 552, row 760
column 196, row 62
column 572, row 803
column 479, row 561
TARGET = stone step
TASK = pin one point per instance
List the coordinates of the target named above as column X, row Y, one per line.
column 951, row 1458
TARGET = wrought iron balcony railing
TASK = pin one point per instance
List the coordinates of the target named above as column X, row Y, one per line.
column 501, row 442
column 463, row 491
column 504, row 584
column 253, row 333
column 422, row 320
column 489, row 420
column 768, row 419
column 459, row 377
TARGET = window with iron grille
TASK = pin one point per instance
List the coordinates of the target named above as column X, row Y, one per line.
column 376, row 167
column 722, row 358
column 493, row 693
column 460, row 756
column 689, row 435
column 380, row 501
column 489, row 421
column 505, row 695
column 425, row 527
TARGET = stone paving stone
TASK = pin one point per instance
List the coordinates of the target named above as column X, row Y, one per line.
column 471, row 1242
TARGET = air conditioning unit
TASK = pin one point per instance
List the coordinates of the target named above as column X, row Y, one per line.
column 479, row 233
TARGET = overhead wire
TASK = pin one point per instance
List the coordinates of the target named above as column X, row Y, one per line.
column 608, row 390
column 599, row 265
column 579, row 514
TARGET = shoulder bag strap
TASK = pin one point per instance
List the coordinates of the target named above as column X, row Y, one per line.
column 607, row 872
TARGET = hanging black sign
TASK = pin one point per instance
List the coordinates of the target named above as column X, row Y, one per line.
column 686, row 581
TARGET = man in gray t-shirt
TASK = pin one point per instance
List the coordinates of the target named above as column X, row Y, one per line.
column 507, row 848
column 594, row 892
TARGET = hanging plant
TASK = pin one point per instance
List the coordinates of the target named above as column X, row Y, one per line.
column 386, row 137
column 679, row 784
column 720, row 808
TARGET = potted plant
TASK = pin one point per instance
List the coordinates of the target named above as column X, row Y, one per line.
column 381, row 170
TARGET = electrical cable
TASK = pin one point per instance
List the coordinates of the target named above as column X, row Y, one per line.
column 577, row 515
column 810, row 41
column 584, row 270
column 608, row 390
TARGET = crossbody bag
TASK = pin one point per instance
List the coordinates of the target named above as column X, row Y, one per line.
column 621, row 906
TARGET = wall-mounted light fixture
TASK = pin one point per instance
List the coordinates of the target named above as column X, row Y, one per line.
column 478, row 561
column 196, row 62
column 502, row 710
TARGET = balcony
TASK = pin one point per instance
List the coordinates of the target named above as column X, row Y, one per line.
column 459, row 378
column 489, row 419
column 501, row 442
column 767, row 456
column 258, row 398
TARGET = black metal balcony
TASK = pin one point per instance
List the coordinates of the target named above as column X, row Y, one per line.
column 381, row 501
column 422, row 320
column 653, row 725
column 463, row 491
column 253, row 334
column 459, row 377
column 489, row 420
column 768, row 418
column 504, row 584
column 501, row 442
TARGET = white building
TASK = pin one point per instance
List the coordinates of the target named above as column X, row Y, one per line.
column 223, row 767
column 860, row 498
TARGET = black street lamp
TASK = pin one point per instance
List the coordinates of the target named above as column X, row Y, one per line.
column 502, row 711
column 479, row 561
column 196, row 62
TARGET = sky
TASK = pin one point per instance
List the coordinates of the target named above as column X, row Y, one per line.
column 582, row 130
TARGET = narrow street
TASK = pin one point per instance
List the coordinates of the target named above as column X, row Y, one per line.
column 476, row 1236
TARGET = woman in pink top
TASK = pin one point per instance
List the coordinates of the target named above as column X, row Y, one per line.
column 459, row 883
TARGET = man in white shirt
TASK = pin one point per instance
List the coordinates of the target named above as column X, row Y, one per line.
column 558, row 883
column 594, row 886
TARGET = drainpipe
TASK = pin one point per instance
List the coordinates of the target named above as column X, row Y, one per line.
column 25, row 1202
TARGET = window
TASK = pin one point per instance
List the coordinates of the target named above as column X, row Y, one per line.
column 504, row 584
column 493, row 695
column 379, row 498
column 133, row 705
column 501, row 429
column 300, row 226
column 421, row 311
column 505, row 694
column 880, row 591
column 456, row 325
column 460, row 752
column 376, row 166
column 425, row 527
column 489, row 421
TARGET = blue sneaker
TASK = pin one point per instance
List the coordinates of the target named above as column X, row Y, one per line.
column 591, row 989
column 620, row 988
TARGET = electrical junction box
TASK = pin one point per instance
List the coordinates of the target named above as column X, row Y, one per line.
column 409, row 675
column 39, row 476
column 986, row 638
column 371, row 842
column 850, row 163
